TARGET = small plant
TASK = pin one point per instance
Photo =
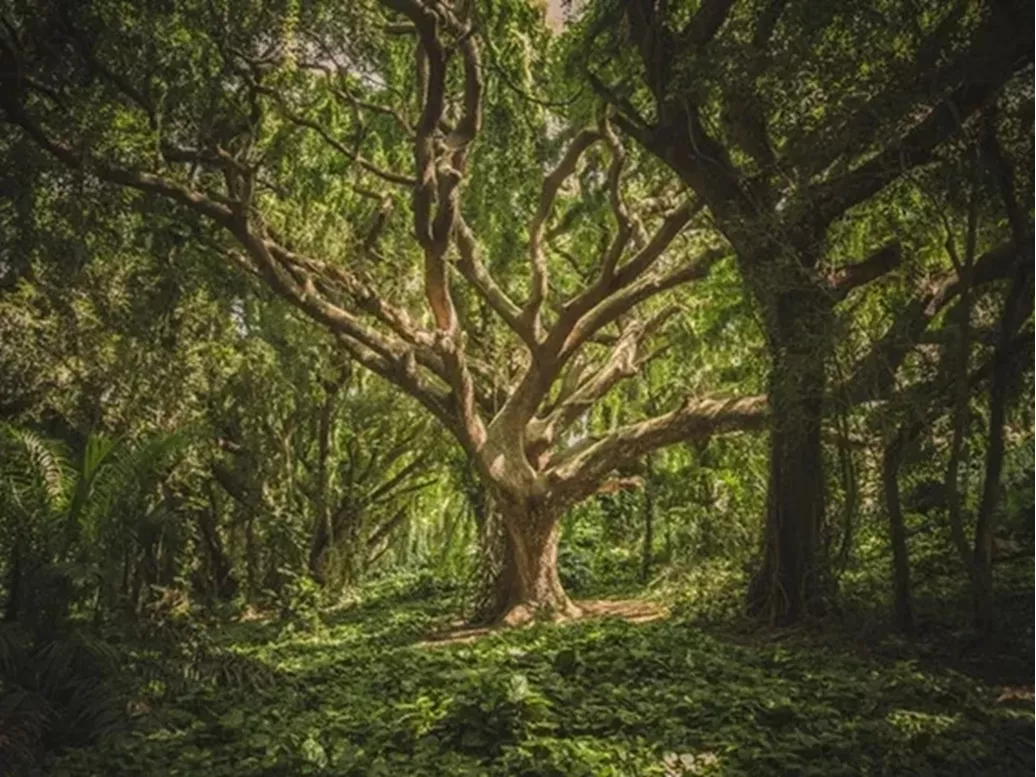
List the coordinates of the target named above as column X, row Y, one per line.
column 495, row 712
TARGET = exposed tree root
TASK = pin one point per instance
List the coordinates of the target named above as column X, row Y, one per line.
column 632, row 610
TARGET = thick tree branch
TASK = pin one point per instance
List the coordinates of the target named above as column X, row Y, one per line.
column 844, row 279
column 874, row 375
column 624, row 361
column 616, row 305
column 999, row 60
column 585, row 464
column 475, row 272
column 706, row 23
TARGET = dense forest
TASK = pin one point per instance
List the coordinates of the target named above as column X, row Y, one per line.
column 499, row 387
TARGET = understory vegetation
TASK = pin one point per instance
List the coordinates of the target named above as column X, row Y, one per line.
column 495, row 387
column 382, row 686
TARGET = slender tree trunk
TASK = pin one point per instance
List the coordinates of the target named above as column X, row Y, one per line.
column 1017, row 308
column 12, row 606
column 251, row 557
column 529, row 581
column 962, row 394
column 649, row 523
column 318, row 548
column 220, row 571
column 903, row 608
column 793, row 581
column 704, row 497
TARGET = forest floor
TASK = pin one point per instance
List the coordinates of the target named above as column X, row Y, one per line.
column 628, row 691
column 631, row 610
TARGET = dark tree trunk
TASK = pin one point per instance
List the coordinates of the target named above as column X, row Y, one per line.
column 903, row 607
column 793, row 581
column 220, row 577
column 1017, row 308
column 529, row 585
column 318, row 549
column 251, row 557
column 12, row 606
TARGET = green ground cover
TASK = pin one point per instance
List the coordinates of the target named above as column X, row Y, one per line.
column 360, row 691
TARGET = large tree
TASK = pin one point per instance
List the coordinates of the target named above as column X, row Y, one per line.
column 221, row 110
column 538, row 254
column 788, row 120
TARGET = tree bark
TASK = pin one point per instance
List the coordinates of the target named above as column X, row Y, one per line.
column 1017, row 308
column 220, row 576
column 903, row 607
column 529, row 579
column 318, row 549
column 793, row 581
column 649, row 523
column 12, row 606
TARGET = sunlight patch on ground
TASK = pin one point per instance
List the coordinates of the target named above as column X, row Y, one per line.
column 632, row 610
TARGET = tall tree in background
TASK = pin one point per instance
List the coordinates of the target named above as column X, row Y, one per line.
column 787, row 119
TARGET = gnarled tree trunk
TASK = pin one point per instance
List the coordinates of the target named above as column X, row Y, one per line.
column 529, row 585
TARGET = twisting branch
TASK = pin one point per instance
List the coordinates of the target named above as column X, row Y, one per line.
column 993, row 63
column 440, row 162
column 622, row 216
column 874, row 374
column 475, row 272
column 609, row 298
column 625, row 360
column 548, row 193
column 591, row 460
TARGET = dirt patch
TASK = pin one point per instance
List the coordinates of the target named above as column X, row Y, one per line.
column 632, row 610
column 1020, row 694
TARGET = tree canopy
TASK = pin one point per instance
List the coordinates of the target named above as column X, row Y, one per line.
column 294, row 293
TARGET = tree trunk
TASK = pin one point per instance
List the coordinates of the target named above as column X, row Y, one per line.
column 649, row 524
column 12, row 607
column 793, row 581
column 903, row 608
column 220, row 577
column 493, row 586
column 1017, row 308
column 251, row 558
column 318, row 551
column 529, row 584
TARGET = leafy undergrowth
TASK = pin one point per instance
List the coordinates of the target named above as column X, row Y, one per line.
column 362, row 693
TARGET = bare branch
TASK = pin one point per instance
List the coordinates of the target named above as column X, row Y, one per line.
column 551, row 184
column 199, row 202
column 474, row 272
column 586, row 463
column 624, row 361
column 622, row 216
